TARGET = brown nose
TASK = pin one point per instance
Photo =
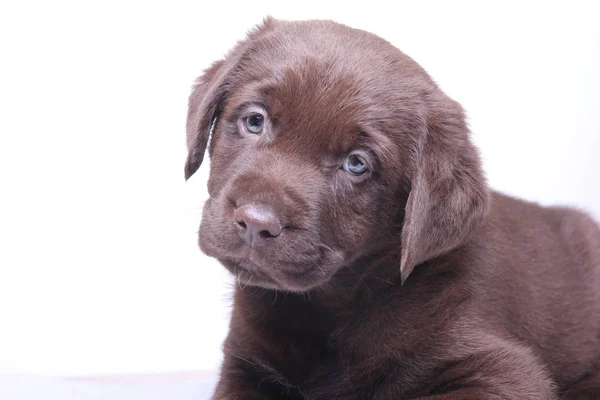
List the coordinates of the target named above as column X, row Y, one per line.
column 256, row 223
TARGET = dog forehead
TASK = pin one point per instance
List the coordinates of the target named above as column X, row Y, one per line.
column 313, row 99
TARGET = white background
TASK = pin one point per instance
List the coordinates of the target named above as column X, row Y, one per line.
column 99, row 267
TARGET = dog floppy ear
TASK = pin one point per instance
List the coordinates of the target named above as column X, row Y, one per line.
column 449, row 195
column 208, row 94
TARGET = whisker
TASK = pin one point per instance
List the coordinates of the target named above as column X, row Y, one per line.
column 238, row 282
column 262, row 292
column 325, row 247
column 361, row 280
column 244, row 359
column 320, row 269
column 247, row 282
column 305, row 296
column 383, row 280
column 337, row 255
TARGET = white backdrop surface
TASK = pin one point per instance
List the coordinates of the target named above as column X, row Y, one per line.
column 99, row 267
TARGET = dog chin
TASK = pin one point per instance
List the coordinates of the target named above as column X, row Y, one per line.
column 249, row 274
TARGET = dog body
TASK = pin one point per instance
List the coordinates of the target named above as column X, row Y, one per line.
column 337, row 167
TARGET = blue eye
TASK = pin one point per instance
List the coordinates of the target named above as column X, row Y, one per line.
column 254, row 123
column 355, row 164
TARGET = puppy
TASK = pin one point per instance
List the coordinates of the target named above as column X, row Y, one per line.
column 373, row 261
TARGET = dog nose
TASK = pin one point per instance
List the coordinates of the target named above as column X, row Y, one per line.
column 256, row 222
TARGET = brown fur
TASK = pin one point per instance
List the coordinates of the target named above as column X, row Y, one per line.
column 411, row 281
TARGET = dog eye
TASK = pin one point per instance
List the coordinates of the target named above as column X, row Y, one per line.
column 254, row 123
column 355, row 164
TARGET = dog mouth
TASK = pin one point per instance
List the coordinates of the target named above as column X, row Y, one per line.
column 252, row 268
column 249, row 273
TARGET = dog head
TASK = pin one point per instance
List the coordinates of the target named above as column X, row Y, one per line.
column 328, row 144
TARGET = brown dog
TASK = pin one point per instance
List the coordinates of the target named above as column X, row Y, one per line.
column 373, row 261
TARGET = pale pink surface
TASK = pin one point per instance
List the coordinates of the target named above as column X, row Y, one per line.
column 170, row 386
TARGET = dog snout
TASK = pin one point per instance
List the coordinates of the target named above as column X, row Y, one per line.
column 256, row 223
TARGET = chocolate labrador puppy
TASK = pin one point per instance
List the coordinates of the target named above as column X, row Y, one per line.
column 372, row 259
